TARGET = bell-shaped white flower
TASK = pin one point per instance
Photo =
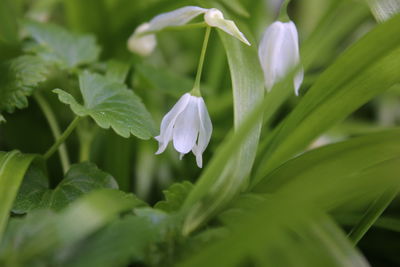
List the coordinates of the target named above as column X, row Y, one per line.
column 142, row 44
column 181, row 16
column 279, row 54
column 188, row 125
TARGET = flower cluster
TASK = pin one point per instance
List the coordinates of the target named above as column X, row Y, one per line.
column 188, row 124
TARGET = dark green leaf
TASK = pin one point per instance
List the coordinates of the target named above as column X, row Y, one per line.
column 57, row 45
column 110, row 104
column 18, row 79
column 80, row 179
column 175, row 195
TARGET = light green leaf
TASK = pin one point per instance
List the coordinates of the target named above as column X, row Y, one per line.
column 79, row 180
column 110, row 104
column 18, row 79
column 13, row 166
column 362, row 72
column 342, row 159
column 57, row 45
column 55, row 232
column 123, row 241
column 175, row 195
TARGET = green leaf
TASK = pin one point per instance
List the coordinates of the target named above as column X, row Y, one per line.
column 36, row 237
column 362, row 72
column 13, row 166
column 120, row 243
column 19, row 78
column 79, row 180
column 175, row 195
column 117, row 71
column 217, row 187
column 110, row 104
column 342, row 159
column 57, row 45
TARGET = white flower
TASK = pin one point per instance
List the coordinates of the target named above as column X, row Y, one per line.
column 279, row 54
column 142, row 45
column 188, row 125
column 181, row 16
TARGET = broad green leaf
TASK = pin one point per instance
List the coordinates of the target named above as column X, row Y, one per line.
column 56, row 232
column 248, row 91
column 110, row 104
column 175, row 195
column 18, row 79
column 366, row 69
column 13, row 166
column 120, row 243
column 337, row 160
column 79, row 180
column 57, row 45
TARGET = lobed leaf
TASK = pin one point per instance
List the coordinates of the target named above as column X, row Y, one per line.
column 57, row 45
column 110, row 104
column 79, row 180
column 19, row 78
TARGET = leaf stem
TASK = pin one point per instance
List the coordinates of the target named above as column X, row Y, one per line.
column 196, row 88
column 62, row 138
column 55, row 129
column 373, row 213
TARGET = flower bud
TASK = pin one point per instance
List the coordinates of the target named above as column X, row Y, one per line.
column 279, row 54
column 142, row 45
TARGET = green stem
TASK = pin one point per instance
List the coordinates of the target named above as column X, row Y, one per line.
column 373, row 213
column 283, row 16
column 62, row 138
column 55, row 129
column 175, row 28
column 196, row 88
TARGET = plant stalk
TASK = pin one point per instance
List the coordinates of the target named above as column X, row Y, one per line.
column 196, row 87
column 55, row 129
column 62, row 138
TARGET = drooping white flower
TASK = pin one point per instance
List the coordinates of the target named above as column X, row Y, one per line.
column 142, row 45
column 279, row 54
column 188, row 125
column 181, row 16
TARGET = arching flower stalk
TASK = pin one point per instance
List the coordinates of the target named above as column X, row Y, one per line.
column 143, row 40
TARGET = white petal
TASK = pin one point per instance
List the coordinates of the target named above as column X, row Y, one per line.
column 298, row 80
column 186, row 127
column 269, row 52
column 279, row 53
column 215, row 18
column 142, row 45
column 205, row 131
column 177, row 17
column 167, row 124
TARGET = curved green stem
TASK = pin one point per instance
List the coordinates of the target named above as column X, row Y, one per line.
column 196, row 88
column 62, row 138
column 373, row 213
column 55, row 129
